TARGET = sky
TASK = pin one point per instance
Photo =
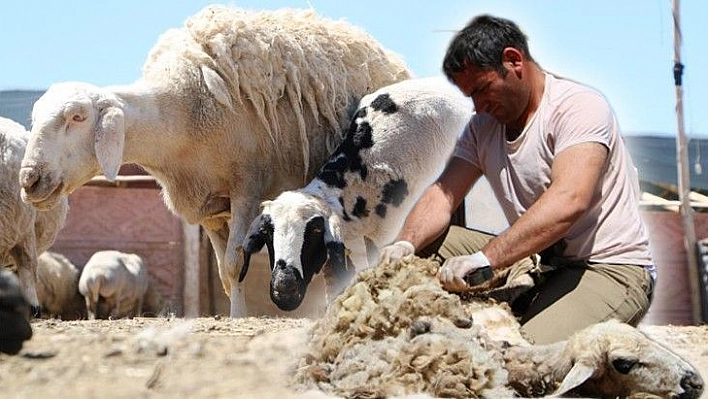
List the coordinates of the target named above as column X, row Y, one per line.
column 623, row 48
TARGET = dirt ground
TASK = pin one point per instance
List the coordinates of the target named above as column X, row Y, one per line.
column 195, row 358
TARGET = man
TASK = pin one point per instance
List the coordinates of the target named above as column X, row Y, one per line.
column 551, row 150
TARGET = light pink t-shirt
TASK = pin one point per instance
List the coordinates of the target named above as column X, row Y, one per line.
column 611, row 231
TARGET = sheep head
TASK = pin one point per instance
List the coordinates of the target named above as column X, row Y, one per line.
column 301, row 234
column 77, row 133
column 613, row 359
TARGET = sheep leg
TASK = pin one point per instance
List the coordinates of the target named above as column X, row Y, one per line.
column 372, row 252
column 218, row 238
column 90, row 308
column 232, row 265
column 137, row 312
column 116, row 311
column 26, row 262
column 229, row 280
column 358, row 254
column 244, row 208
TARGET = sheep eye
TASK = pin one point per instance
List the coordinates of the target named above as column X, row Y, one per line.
column 78, row 118
column 624, row 366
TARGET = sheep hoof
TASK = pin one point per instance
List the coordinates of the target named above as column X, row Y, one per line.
column 35, row 311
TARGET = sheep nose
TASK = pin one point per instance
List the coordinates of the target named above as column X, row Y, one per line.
column 285, row 280
column 29, row 176
column 287, row 289
column 692, row 385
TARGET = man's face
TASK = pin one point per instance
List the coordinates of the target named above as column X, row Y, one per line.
column 504, row 98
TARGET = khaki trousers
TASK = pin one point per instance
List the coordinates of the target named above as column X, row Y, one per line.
column 568, row 298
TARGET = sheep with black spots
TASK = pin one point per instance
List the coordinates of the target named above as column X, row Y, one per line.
column 114, row 285
column 233, row 108
column 25, row 232
column 397, row 144
column 395, row 331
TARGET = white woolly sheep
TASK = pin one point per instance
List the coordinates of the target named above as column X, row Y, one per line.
column 396, row 332
column 232, row 109
column 25, row 232
column 113, row 284
column 58, row 287
column 398, row 143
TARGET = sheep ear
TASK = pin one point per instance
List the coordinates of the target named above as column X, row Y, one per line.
column 335, row 243
column 254, row 242
column 217, row 86
column 109, row 140
column 337, row 253
column 578, row 374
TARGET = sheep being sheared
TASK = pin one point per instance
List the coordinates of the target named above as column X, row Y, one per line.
column 232, row 109
column 25, row 232
column 396, row 332
column 114, row 285
column 397, row 144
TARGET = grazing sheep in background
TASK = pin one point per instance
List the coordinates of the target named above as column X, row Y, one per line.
column 396, row 332
column 113, row 284
column 15, row 328
column 58, row 287
column 25, row 232
column 233, row 108
column 397, row 144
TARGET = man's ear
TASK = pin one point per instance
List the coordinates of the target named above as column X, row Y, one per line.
column 512, row 57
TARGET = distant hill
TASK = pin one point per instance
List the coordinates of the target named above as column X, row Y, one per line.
column 654, row 156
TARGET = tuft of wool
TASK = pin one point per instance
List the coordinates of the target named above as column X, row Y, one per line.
column 394, row 331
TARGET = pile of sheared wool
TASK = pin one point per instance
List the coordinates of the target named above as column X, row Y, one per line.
column 394, row 332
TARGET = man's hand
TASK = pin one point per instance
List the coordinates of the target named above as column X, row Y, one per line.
column 452, row 273
column 396, row 251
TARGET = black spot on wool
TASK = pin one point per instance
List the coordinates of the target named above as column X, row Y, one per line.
column 381, row 210
column 359, row 209
column 346, row 157
column 394, row 192
column 332, row 173
column 345, row 215
column 385, row 104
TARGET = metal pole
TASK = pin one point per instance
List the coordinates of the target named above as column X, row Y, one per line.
column 683, row 176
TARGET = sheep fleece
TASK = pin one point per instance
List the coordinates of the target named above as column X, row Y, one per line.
column 394, row 331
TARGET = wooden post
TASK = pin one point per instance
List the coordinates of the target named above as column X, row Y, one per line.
column 190, row 292
column 684, row 177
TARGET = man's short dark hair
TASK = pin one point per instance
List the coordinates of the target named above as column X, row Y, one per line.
column 481, row 43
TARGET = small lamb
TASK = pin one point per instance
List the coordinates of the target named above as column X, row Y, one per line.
column 397, row 144
column 113, row 284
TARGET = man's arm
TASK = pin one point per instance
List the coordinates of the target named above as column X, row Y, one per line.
column 575, row 174
column 431, row 214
